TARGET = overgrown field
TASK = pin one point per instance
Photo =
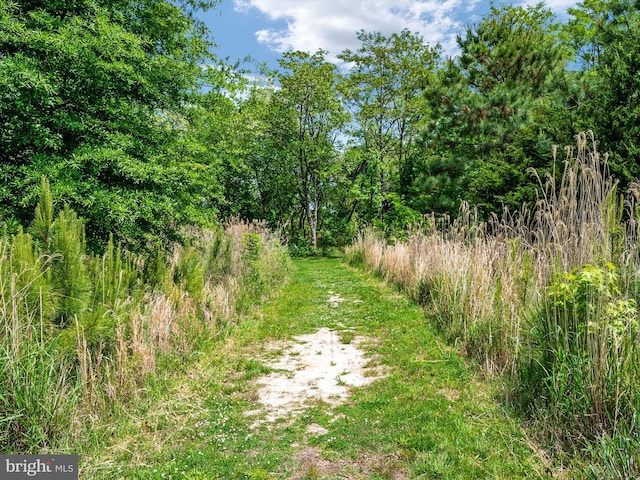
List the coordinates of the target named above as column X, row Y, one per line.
column 548, row 298
column 81, row 334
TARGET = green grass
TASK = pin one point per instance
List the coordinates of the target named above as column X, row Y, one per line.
column 431, row 417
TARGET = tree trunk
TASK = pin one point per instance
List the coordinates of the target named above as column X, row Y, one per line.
column 313, row 217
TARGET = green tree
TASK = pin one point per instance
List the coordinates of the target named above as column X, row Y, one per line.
column 261, row 180
column 211, row 141
column 89, row 94
column 493, row 110
column 307, row 117
column 607, row 36
column 384, row 91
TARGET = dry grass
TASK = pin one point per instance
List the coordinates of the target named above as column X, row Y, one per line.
column 490, row 287
column 469, row 285
column 487, row 277
column 172, row 318
column 312, row 464
column 129, row 314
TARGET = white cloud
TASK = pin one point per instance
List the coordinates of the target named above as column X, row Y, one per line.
column 558, row 6
column 332, row 24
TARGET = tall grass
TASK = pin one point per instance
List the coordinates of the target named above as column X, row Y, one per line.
column 547, row 297
column 80, row 332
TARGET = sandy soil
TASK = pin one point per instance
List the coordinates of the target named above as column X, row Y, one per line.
column 313, row 367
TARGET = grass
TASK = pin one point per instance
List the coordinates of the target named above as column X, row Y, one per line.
column 84, row 336
column 545, row 299
column 431, row 416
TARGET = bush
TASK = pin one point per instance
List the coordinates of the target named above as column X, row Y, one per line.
column 80, row 332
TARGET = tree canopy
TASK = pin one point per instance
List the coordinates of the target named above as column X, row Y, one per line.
column 106, row 99
column 384, row 90
column 489, row 107
column 92, row 95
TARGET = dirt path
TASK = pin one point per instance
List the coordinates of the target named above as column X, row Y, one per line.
column 336, row 377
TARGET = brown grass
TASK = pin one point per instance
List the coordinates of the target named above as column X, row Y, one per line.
column 125, row 326
column 486, row 285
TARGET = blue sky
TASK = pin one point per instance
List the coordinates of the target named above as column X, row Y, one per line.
column 264, row 29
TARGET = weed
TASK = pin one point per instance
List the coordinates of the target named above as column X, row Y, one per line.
column 548, row 297
column 427, row 400
column 346, row 337
column 81, row 333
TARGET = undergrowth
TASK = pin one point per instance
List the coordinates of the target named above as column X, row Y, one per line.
column 546, row 297
column 81, row 333
column 425, row 414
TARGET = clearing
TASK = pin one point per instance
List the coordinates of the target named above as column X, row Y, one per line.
column 337, row 376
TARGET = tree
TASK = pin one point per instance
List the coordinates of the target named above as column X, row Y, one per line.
column 307, row 116
column 607, row 36
column 260, row 176
column 490, row 111
column 91, row 96
column 384, row 89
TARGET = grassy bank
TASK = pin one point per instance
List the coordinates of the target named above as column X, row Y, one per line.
column 83, row 336
column 546, row 297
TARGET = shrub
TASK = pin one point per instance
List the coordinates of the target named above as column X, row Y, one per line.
column 80, row 332
column 547, row 296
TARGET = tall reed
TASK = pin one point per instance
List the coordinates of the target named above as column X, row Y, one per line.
column 547, row 296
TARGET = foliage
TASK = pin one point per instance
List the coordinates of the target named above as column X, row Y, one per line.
column 38, row 398
column 615, row 456
column 260, row 178
column 606, row 35
column 80, row 333
column 584, row 343
column 313, row 115
column 428, row 414
column 589, row 297
column 287, row 147
column 147, row 132
column 100, row 118
column 548, row 298
column 384, row 91
column 490, row 112
column 143, row 132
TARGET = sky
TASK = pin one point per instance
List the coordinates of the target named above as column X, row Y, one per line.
column 263, row 29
